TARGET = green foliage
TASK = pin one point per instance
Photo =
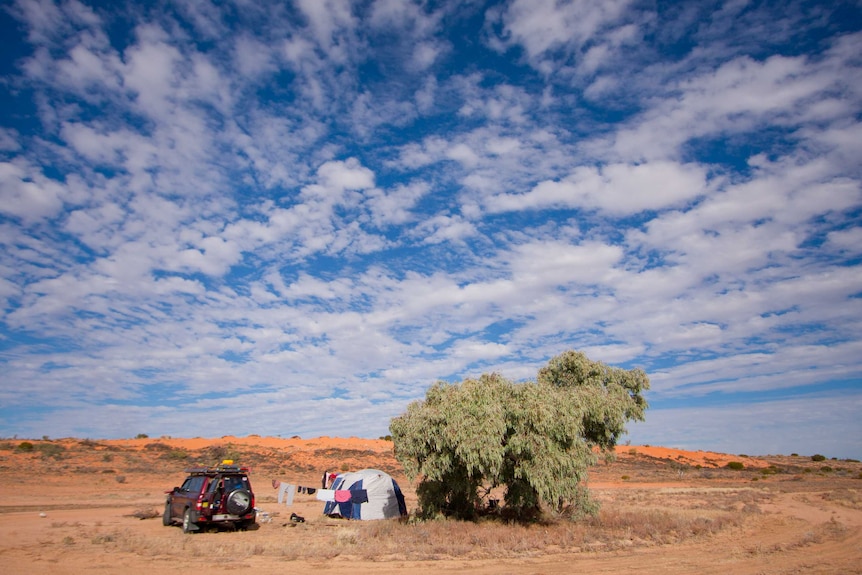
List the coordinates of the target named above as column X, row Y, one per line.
column 51, row 450
column 609, row 396
column 818, row 457
column 536, row 439
column 142, row 436
column 26, row 446
column 176, row 454
column 737, row 465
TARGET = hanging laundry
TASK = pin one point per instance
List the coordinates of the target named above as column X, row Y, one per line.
column 359, row 496
column 286, row 492
column 342, row 495
column 325, row 495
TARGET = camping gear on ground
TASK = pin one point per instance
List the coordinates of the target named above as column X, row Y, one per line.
column 366, row 494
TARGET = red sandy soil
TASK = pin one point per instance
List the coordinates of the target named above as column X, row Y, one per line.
column 74, row 506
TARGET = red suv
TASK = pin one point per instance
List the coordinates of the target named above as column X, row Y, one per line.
column 212, row 496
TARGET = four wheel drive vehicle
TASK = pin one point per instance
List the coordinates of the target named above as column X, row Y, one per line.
column 212, row 496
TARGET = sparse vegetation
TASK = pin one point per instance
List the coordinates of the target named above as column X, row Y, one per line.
column 177, row 454
column 735, row 465
column 26, row 446
column 818, row 457
column 53, row 450
column 636, row 515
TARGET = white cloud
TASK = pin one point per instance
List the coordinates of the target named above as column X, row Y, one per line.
column 444, row 228
column 849, row 240
column 27, row 195
column 618, row 189
column 252, row 57
column 541, row 26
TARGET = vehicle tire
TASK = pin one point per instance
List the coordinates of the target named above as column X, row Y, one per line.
column 251, row 524
column 238, row 502
column 166, row 516
column 188, row 524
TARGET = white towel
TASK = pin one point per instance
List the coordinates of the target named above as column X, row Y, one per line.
column 325, row 494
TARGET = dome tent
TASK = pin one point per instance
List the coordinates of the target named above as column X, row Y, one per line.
column 384, row 497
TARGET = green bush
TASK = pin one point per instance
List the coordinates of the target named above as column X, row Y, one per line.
column 826, row 469
column 818, row 457
column 26, row 446
column 51, row 450
column 176, row 454
column 736, row 465
column 535, row 439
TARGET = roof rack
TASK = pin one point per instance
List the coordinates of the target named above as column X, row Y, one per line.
column 225, row 466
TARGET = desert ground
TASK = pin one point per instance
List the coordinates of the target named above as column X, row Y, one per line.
column 76, row 506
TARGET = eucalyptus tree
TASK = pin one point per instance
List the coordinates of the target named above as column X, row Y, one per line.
column 535, row 440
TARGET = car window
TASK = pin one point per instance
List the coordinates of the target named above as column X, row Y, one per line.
column 232, row 482
column 194, row 484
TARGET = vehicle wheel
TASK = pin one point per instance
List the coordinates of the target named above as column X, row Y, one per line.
column 238, row 502
column 166, row 516
column 188, row 524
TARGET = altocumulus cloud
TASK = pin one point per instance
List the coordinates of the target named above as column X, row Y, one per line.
column 292, row 217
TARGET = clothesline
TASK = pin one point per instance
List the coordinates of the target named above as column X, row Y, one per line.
column 287, row 492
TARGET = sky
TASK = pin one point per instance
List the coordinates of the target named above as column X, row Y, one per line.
column 293, row 217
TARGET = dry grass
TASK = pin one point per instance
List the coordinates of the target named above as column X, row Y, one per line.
column 636, row 519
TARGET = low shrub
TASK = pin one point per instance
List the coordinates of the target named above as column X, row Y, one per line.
column 26, row 446
column 176, row 455
column 736, row 465
column 51, row 450
column 818, row 457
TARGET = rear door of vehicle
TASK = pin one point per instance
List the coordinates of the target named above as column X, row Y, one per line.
column 186, row 495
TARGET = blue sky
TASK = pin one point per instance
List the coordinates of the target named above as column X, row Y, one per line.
column 291, row 218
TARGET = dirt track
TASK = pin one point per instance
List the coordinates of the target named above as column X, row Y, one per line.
column 804, row 523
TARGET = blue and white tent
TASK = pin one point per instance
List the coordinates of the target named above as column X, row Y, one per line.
column 374, row 495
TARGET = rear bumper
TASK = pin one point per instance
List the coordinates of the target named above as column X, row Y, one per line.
column 222, row 517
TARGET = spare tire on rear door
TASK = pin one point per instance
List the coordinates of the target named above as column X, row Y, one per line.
column 238, row 502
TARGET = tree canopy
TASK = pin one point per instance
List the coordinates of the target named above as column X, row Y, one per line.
column 536, row 440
